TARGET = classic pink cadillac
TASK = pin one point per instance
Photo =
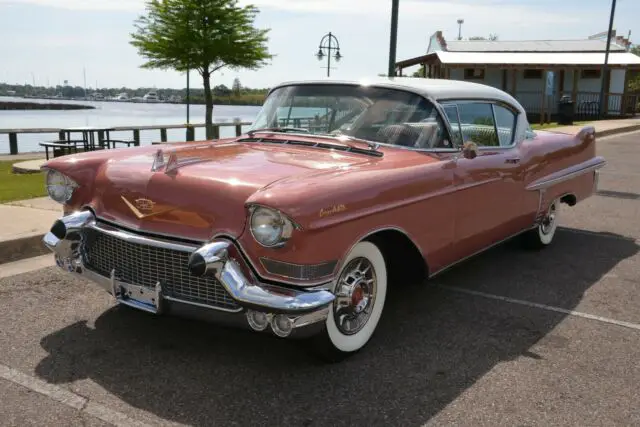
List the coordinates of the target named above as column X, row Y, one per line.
column 338, row 191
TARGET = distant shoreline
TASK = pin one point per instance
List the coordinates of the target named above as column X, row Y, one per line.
column 23, row 105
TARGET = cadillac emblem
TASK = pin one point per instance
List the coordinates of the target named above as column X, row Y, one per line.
column 144, row 205
column 143, row 208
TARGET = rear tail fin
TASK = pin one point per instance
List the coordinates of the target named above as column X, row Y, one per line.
column 587, row 133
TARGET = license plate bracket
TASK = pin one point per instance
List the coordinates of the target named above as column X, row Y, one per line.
column 136, row 296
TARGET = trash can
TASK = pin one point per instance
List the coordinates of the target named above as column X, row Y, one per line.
column 565, row 111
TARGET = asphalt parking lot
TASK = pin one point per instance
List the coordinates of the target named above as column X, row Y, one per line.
column 510, row 338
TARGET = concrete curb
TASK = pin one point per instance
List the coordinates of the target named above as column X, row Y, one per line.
column 28, row 246
column 615, row 131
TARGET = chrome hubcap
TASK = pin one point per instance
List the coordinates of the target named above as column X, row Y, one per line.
column 549, row 220
column 355, row 296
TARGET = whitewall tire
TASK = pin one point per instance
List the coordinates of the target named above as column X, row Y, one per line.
column 543, row 234
column 361, row 290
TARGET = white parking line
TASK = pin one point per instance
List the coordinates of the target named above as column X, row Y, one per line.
column 68, row 398
column 544, row 307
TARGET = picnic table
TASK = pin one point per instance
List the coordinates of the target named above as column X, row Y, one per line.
column 91, row 138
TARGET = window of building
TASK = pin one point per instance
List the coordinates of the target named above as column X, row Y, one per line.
column 532, row 74
column 474, row 73
column 590, row 74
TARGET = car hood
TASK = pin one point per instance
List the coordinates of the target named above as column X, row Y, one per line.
column 205, row 194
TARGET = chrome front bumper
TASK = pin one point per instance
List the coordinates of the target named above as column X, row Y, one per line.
column 286, row 310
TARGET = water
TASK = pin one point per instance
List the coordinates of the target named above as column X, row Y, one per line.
column 111, row 114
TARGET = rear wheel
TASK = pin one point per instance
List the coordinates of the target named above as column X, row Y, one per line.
column 360, row 291
column 543, row 234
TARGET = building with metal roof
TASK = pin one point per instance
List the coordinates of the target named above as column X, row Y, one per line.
column 538, row 73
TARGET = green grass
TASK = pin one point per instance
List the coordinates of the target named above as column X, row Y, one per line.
column 19, row 186
column 555, row 125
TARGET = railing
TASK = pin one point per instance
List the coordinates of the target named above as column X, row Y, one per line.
column 586, row 104
column 33, row 137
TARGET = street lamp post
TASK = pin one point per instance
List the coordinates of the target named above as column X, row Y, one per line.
column 605, row 66
column 326, row 44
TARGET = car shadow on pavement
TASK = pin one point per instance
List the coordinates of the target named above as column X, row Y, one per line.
column 432, row 344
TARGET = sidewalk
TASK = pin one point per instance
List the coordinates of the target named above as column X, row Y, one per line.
column 603, row 127
column 24, row 225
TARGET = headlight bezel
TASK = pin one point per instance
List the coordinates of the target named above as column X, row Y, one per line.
column 286, row 226
column 68, row 184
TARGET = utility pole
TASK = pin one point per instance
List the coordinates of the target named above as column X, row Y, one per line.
column 460, row 22
column 393, row 39
column 605, row 67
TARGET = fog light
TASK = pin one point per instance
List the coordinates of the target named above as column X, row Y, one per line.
column 281, row 325
column 257, row 320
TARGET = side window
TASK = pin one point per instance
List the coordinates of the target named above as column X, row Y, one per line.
column 477, row 124
column 452, row 115
column 506, row 124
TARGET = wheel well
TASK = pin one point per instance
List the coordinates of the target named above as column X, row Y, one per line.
column 569, row 199
column 405, row 262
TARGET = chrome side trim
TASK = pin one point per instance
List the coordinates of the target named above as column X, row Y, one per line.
column 486, row 248
column 562, row 176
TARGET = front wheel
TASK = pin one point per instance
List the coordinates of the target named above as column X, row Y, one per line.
column 543, row 234
column 360, row 291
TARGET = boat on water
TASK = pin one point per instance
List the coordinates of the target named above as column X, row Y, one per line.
column 151, row 97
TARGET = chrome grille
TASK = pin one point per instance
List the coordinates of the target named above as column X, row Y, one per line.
column 146, row 265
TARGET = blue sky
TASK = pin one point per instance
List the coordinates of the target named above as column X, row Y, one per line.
column 52, row 40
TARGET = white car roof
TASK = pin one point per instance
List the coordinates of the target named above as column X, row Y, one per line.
column 438, row 89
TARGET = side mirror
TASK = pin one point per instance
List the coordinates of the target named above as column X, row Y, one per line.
column 470, row 150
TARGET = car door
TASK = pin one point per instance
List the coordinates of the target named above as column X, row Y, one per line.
column 488, row 186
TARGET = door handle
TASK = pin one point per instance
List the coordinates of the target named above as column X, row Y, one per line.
column 513, row 160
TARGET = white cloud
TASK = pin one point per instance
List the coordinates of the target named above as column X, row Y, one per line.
column 478, row 10
column 105, row 5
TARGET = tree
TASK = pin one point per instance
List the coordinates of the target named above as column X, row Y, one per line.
column 237, row 87
column 492, row 37
column 202, row 35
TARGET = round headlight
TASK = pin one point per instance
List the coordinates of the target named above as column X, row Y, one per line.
column 269, row 227
column 59, row 186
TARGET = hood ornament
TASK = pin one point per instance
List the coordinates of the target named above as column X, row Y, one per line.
column 173, row 162
column 158, row 161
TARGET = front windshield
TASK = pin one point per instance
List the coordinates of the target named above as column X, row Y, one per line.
column 372, row 113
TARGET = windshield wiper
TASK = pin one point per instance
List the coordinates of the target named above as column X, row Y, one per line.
column 278, row 129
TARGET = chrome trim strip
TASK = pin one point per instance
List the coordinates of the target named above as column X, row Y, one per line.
column 486, row 248
column 134, row 238
column 547, row 182
column 197, row 304
column 264, row 260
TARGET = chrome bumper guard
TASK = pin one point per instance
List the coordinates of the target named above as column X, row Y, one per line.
column 284, row 309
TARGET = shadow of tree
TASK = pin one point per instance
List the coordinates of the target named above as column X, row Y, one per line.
column 432, row 344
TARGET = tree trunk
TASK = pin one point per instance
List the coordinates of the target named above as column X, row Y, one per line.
column 208, row 100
